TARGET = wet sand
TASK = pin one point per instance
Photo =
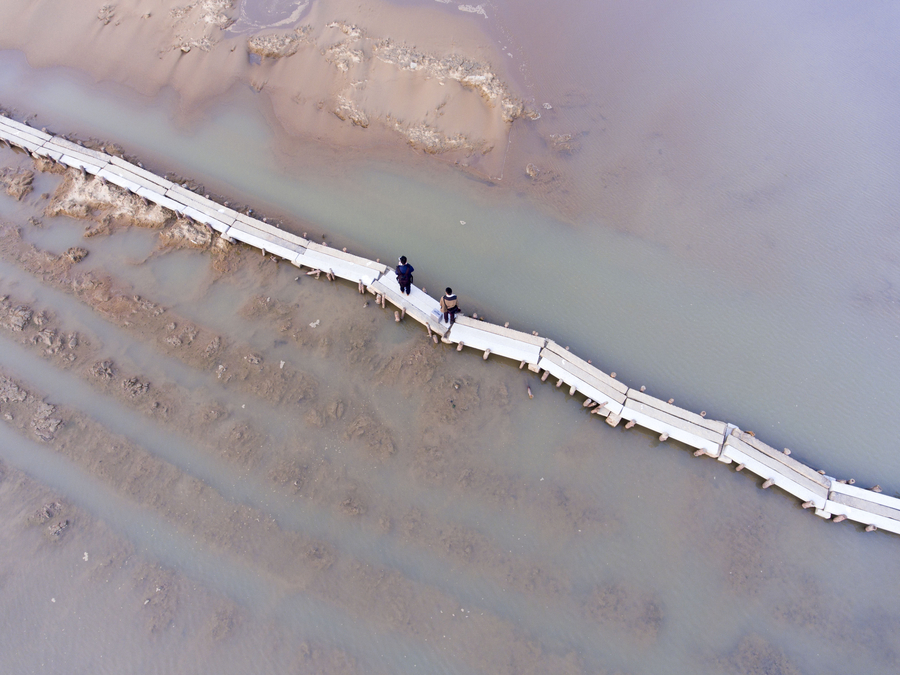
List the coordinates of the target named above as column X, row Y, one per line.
column 360, row 78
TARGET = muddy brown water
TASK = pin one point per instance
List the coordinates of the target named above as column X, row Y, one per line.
column 220, row 462
column 724, row 214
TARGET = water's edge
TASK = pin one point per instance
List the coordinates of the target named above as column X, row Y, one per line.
column 605, row 395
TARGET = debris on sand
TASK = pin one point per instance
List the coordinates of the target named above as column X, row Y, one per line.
column 103, row 370
column 43, row 425
column 279, row 45
column 347, row 110
column 469, row 73
column 564, row 143
column 57, row 528
column 76, row 254
column 17, row 182
column 15, row 318
column 10, row 391
column 134, row 387
column 106, row 14
column 89, row 197
column 200, row 23
column 46, row 512
column 184, row 232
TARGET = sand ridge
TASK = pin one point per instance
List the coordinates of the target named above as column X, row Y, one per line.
column 352, row 76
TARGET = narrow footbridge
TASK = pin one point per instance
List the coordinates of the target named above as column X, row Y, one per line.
column 606, row 396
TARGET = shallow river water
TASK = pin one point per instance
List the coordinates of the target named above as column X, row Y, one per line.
column 731, row 242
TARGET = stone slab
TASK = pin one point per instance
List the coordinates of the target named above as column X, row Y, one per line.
column 80, row 163
column 24, row 141
column 185, row 196
column 40, row 152
column 271, row 229
column 867, row 495
column 677, row 428
column 694, row 418
column 74, row 155
column 162, row 200
column 571, row 370
column 476, row 338
column 784, row 459
column 350, row 257
column 125, row 165
column 862, row 516
column 341, row 268
column 589, row 370
column 23, row 136
column 75, row 150
column 502, row 331
column 864, row 505
column 418, row 304
column 209, row 208
column 10, row 131
column 111, row 172
column 19, row 127
column 803, row 473
column 178, row 191
column 120, row 180
column 649, row 418
column 768, row 469
column 46, row 151
column 264, row 241
column 559, row 370
column 201, row 217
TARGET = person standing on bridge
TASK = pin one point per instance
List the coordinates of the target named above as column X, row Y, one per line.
column 404, row 273
column 449, row 306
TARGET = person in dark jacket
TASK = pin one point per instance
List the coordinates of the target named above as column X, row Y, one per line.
column 449, row 306
column 404, row 275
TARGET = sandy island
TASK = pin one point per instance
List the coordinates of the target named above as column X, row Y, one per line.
column 349, row 75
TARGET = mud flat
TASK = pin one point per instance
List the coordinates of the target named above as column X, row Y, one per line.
column 134, row 188
column 366, row 493
column 181, row 449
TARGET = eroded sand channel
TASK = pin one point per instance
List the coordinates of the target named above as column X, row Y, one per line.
column 324, row 490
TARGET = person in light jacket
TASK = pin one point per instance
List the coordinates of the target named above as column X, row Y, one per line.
column 449, row 306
